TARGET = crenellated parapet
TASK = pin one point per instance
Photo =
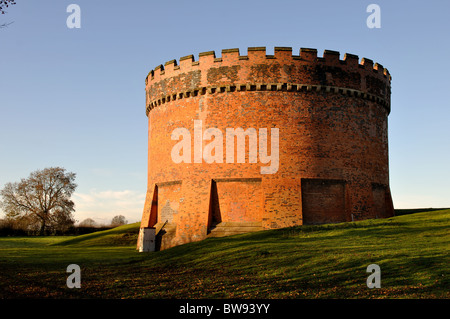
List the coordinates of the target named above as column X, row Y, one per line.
column 258, row 71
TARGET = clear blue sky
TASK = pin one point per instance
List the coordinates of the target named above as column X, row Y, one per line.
column 75, row 97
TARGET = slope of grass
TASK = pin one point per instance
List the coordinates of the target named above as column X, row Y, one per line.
column 20, row 242
column 327, row 261
column 125, row 235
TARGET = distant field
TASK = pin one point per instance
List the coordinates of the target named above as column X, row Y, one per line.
column 327, row 261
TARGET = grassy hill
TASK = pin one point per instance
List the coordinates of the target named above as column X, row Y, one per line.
column 326, row 261
column 125, row 235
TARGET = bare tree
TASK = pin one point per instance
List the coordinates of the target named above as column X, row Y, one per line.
column 118, row 221
column 88, row 222
column 44, row 197
column 5, row 4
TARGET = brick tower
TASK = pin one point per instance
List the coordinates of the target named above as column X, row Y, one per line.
column 321, row 121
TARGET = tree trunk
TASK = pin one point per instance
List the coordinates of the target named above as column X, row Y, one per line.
column 42, row 230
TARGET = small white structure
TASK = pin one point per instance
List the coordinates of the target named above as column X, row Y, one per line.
column 146, row 239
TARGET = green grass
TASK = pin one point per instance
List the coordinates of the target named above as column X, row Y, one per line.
column 120, row 236
column 327, row 261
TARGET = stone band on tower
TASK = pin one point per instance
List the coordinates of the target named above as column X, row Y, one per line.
column 332, row 118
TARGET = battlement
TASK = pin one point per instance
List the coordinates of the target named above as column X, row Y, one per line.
column 187, row 63
column 259, row 71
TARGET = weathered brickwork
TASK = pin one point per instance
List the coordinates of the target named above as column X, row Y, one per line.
column 332, row 117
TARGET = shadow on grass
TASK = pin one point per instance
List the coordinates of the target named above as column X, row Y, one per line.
column 121, row 230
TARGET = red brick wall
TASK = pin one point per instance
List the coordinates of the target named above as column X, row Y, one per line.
column 332, row 120
column 238, row 200
column 323, row 201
